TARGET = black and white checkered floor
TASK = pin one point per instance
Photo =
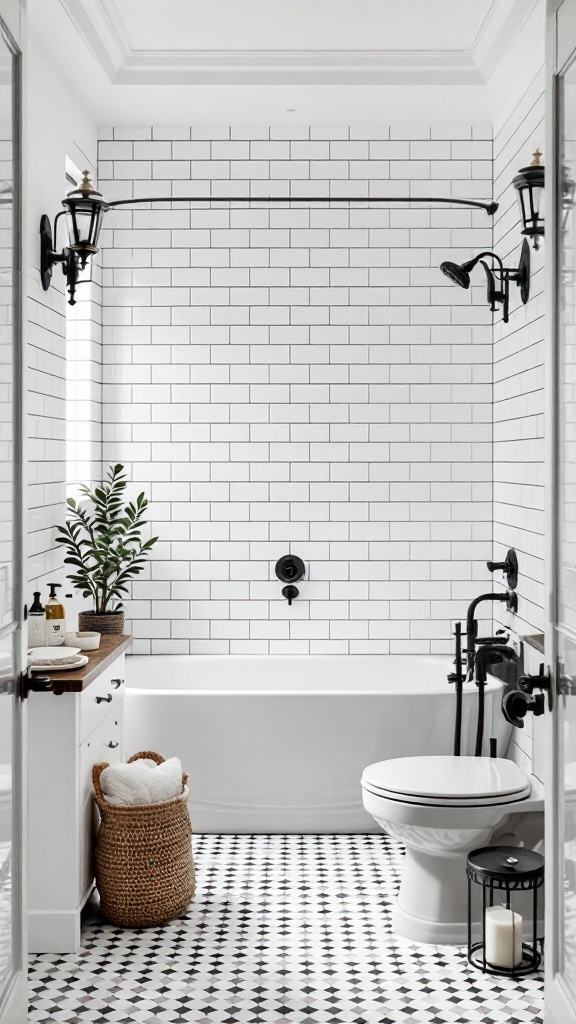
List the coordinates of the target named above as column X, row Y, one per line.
column 282, row 928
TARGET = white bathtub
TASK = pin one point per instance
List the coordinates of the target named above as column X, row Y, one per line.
column 278, row 744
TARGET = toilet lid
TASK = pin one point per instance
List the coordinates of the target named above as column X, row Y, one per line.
column 462, row 781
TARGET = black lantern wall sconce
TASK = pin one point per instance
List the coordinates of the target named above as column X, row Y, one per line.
column 498, row 277
column 83, row 208
column 529, row 184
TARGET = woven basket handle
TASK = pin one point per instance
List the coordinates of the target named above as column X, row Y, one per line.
column 98, row 794
column 146, row 755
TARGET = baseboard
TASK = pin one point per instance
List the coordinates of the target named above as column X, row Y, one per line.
column 14, row 1009
column 54, row 931
column 558, row 1006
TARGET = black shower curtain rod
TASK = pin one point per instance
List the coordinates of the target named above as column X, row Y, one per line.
column 489, row 207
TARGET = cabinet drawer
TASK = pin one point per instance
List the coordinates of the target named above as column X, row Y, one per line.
column 98, row 699
column 93, row 751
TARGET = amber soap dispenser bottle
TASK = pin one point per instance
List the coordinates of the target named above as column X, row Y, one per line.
column 55, row 618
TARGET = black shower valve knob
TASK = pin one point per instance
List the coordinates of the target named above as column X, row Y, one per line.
column 537, row 682
column 290, row 569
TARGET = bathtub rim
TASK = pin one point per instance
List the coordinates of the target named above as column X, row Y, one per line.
column 434, row 689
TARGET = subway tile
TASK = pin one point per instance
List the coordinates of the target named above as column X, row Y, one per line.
column 364, row 438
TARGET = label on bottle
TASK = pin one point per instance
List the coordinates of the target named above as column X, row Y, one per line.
column 55, row 632
column 36, row 630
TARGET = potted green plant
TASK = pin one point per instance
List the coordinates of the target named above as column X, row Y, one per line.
column 103, row 542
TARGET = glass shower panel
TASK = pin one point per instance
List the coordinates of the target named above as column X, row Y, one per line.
column 566, row 705
column 7, row 348
column 10, row 923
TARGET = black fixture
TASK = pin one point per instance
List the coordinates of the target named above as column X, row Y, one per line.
column 85, row 206
column 498, row 277
column 489, row 654
column 290, row 593
column 457, row 678
column 290, row 569
column 509, row 567
column 30, row 683
column 529, row 184
column 517, row 703
column 472, row 638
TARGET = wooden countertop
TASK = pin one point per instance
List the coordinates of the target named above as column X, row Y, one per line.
column 77, row 679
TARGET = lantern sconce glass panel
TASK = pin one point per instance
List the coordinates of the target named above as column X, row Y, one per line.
column 529, row 184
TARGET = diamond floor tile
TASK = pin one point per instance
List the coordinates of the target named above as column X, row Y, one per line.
column 282, row 928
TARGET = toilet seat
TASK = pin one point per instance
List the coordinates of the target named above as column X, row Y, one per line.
column 447, row 781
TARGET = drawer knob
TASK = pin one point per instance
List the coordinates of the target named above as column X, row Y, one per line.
column 117, row 683
column 113, row 744
column 105, row 700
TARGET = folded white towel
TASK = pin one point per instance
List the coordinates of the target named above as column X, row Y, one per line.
column 142, row 782
column 66, row 659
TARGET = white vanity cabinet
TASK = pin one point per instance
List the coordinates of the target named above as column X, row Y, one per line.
column 67, row 735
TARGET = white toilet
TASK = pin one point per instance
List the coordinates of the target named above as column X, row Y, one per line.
column 441, row 808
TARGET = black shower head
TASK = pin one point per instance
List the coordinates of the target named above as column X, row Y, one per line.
column 456, row 273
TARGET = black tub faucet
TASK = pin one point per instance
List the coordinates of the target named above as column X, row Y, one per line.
column 472, row 624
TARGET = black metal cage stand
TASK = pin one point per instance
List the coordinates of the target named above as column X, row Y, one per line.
column 504, row 872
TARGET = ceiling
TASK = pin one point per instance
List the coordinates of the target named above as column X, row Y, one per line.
column 247, row 60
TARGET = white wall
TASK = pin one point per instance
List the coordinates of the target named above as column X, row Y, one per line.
column 519, row 371
column 519, row 449
column 57, row 128
column 300, row 378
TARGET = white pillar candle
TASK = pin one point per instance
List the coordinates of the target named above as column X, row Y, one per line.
column 503, row 937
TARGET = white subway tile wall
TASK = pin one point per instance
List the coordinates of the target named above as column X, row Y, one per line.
column 519, row 374
column 84, row 386
column 300, row 378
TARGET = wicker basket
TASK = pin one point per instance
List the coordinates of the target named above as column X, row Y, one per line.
column 109, row 623
column 144, row 866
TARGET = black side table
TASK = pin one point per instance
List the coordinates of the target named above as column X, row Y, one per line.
column 503, row 872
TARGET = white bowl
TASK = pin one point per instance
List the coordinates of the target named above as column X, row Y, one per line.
column 85, row 641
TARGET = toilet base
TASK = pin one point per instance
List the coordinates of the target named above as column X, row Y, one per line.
column 438, row 933
column 432, row 904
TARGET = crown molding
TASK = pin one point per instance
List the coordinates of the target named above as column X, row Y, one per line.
column 500, row 27
column 100, row 25
column 299, row 67
column 101, row 28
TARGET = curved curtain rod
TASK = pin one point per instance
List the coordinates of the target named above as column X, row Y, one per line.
column 489, row 207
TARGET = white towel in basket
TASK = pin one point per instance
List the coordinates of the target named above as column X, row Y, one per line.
column 142, row 782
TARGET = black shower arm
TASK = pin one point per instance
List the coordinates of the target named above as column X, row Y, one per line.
column 500, row 269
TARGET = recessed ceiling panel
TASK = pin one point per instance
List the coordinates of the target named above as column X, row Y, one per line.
column 445, row 25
